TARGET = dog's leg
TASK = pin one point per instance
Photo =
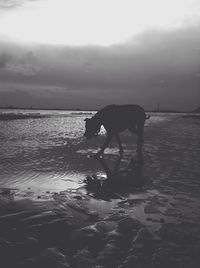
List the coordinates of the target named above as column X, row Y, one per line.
column 107, row 141
column 140, row 130
column 134, row 130
column 117, row 137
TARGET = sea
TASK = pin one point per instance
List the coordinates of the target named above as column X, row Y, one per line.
column 47, row 150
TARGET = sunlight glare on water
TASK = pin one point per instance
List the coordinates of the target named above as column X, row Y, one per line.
column 44, row 152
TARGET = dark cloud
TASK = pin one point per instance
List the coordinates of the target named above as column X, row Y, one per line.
column 13, row 63
column 25, row 65
column 46, row 98
column 153, row 67
column 4, row 59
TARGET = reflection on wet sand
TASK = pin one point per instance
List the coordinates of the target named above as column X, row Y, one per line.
column 146, row 224
column 117, row 180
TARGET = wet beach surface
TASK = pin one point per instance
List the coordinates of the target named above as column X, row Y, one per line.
column 146, row 214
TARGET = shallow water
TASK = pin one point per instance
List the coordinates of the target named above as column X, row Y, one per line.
column 50, row 153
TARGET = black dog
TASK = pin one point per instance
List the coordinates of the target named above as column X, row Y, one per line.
column 115, row 119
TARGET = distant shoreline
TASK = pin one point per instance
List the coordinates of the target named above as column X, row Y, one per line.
column 78, row 109
column 45, row 109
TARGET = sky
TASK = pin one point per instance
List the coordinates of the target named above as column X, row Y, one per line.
column 91, row 53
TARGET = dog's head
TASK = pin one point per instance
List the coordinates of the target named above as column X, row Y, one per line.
column 92, row 128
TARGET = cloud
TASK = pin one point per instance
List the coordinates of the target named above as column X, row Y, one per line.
column 10, row 4
column 22, row 69
column 24, row 65
column 155, row 66
column 6, row 4
column 4, row 59
column 45, row 97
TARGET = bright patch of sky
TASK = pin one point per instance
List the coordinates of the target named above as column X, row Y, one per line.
column 91, row 22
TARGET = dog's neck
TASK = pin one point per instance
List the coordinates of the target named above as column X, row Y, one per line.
column 97, row 118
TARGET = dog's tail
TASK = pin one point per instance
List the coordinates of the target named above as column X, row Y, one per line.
column 147, row 116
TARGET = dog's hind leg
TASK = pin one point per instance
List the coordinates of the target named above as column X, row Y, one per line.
column 117, row 137
column 138, row 130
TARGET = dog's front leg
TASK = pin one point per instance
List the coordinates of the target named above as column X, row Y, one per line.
column 107, row 141
column 119, row 143
column 140, row 138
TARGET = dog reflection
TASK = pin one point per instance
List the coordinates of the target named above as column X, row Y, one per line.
column 130, row 174
column 117, row 180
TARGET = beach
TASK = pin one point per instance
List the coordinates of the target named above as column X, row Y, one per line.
column 75, row 211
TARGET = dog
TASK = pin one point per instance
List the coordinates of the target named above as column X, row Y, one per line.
column 115, row 119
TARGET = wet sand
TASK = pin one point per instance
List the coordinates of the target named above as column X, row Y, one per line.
column 145, row 214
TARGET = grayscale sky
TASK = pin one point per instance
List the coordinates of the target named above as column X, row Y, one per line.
column 87, row 54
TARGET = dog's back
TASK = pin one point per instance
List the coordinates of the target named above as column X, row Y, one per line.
column 116, row 118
